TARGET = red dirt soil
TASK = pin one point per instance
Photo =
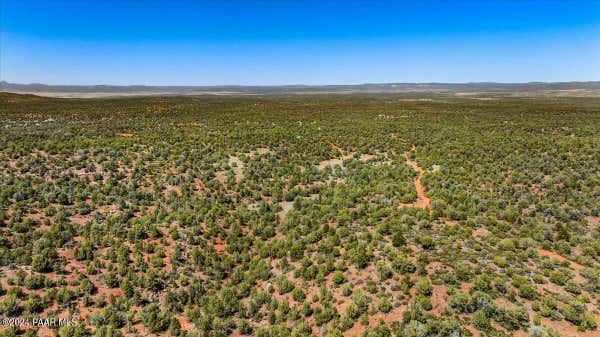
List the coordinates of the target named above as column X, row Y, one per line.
column 339, row 149
column 422, row 199
column 219, row 247
column 393, row 316
column 555, row 256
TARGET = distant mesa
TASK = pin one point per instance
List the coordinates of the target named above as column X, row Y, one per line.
column 465, row 90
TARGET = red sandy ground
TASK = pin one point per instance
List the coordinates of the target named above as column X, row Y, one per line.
column 555, row 256
column 339, row 149
column 422, row 199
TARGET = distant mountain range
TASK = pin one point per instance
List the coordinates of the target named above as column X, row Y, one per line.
column 590, row 89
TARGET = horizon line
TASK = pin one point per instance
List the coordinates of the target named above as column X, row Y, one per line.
column 4, row 82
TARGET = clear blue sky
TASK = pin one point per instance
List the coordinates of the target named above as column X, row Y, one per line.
column 297, row 42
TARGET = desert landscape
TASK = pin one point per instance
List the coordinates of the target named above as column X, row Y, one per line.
column 315, row 168
column 301, row 215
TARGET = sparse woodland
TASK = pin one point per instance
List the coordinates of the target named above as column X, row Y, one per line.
column 301, row 216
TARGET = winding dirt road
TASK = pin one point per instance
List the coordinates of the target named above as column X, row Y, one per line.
column 342, row 152
column 422, row 199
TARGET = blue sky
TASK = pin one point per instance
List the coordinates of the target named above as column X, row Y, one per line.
column 297, row 42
